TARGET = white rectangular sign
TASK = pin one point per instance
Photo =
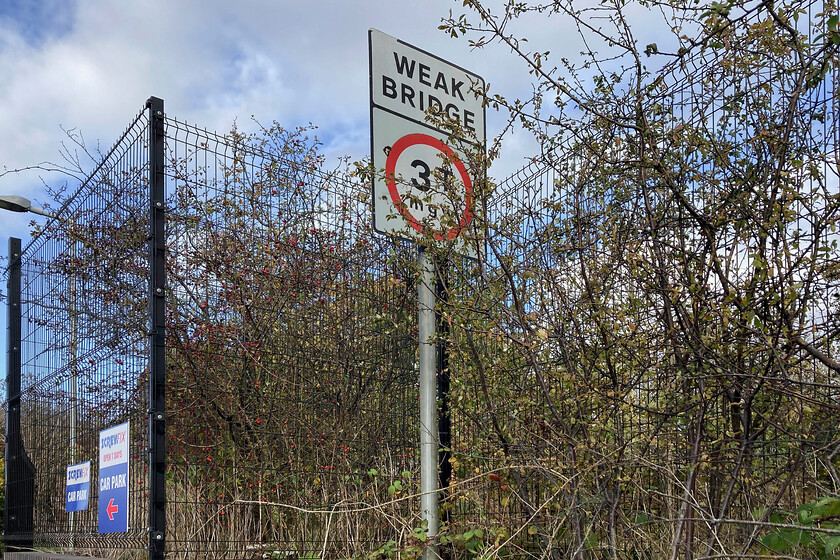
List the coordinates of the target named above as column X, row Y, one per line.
column 407, row 81
column 424, row 177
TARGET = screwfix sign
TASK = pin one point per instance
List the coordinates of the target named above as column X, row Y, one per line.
column 113, row 479
column 424, row 183
column 77, row 487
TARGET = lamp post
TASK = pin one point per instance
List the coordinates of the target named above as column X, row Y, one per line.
column 16, row 203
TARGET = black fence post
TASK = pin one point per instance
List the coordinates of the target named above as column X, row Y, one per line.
column 157, row 336
column 443, row 385
column 19, row 475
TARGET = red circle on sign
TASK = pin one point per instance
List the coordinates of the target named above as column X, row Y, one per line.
column 391, row 164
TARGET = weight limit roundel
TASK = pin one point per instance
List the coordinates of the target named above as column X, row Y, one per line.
column 420, row 160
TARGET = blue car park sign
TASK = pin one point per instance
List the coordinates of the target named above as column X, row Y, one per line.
column 78, row 487
column 113, row 479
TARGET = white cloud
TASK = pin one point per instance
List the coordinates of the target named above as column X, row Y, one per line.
column 211, row 61
column 95, row 63
column 214, row 61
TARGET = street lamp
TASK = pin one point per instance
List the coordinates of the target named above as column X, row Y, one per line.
column 16, row 203
column 19, row 204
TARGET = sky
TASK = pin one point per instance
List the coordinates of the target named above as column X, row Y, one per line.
column 88, row 66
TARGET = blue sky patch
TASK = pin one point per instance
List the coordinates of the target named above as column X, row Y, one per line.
column 40, row 20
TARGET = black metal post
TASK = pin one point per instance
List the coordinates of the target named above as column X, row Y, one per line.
column 20, row 479
column 444, row 418
column 157, row 335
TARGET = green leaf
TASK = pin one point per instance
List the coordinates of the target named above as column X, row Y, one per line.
column 832, row 543
column 419, row 533
column 802, row 537
column 794, row 538
column 812, row 512
column 776, row 543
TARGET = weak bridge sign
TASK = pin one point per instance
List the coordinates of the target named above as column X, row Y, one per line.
column 412, row 155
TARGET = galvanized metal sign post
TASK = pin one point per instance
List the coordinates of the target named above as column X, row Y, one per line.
column 422, row 189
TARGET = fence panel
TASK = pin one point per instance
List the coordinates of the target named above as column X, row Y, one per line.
column 291, row 342
column 84, row 350
column 649, row 368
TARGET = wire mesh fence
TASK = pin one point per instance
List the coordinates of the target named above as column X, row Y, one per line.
column 291, row 364
column 640, row 386
column 641, row 365
column 290, row 348
column 83, row 350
